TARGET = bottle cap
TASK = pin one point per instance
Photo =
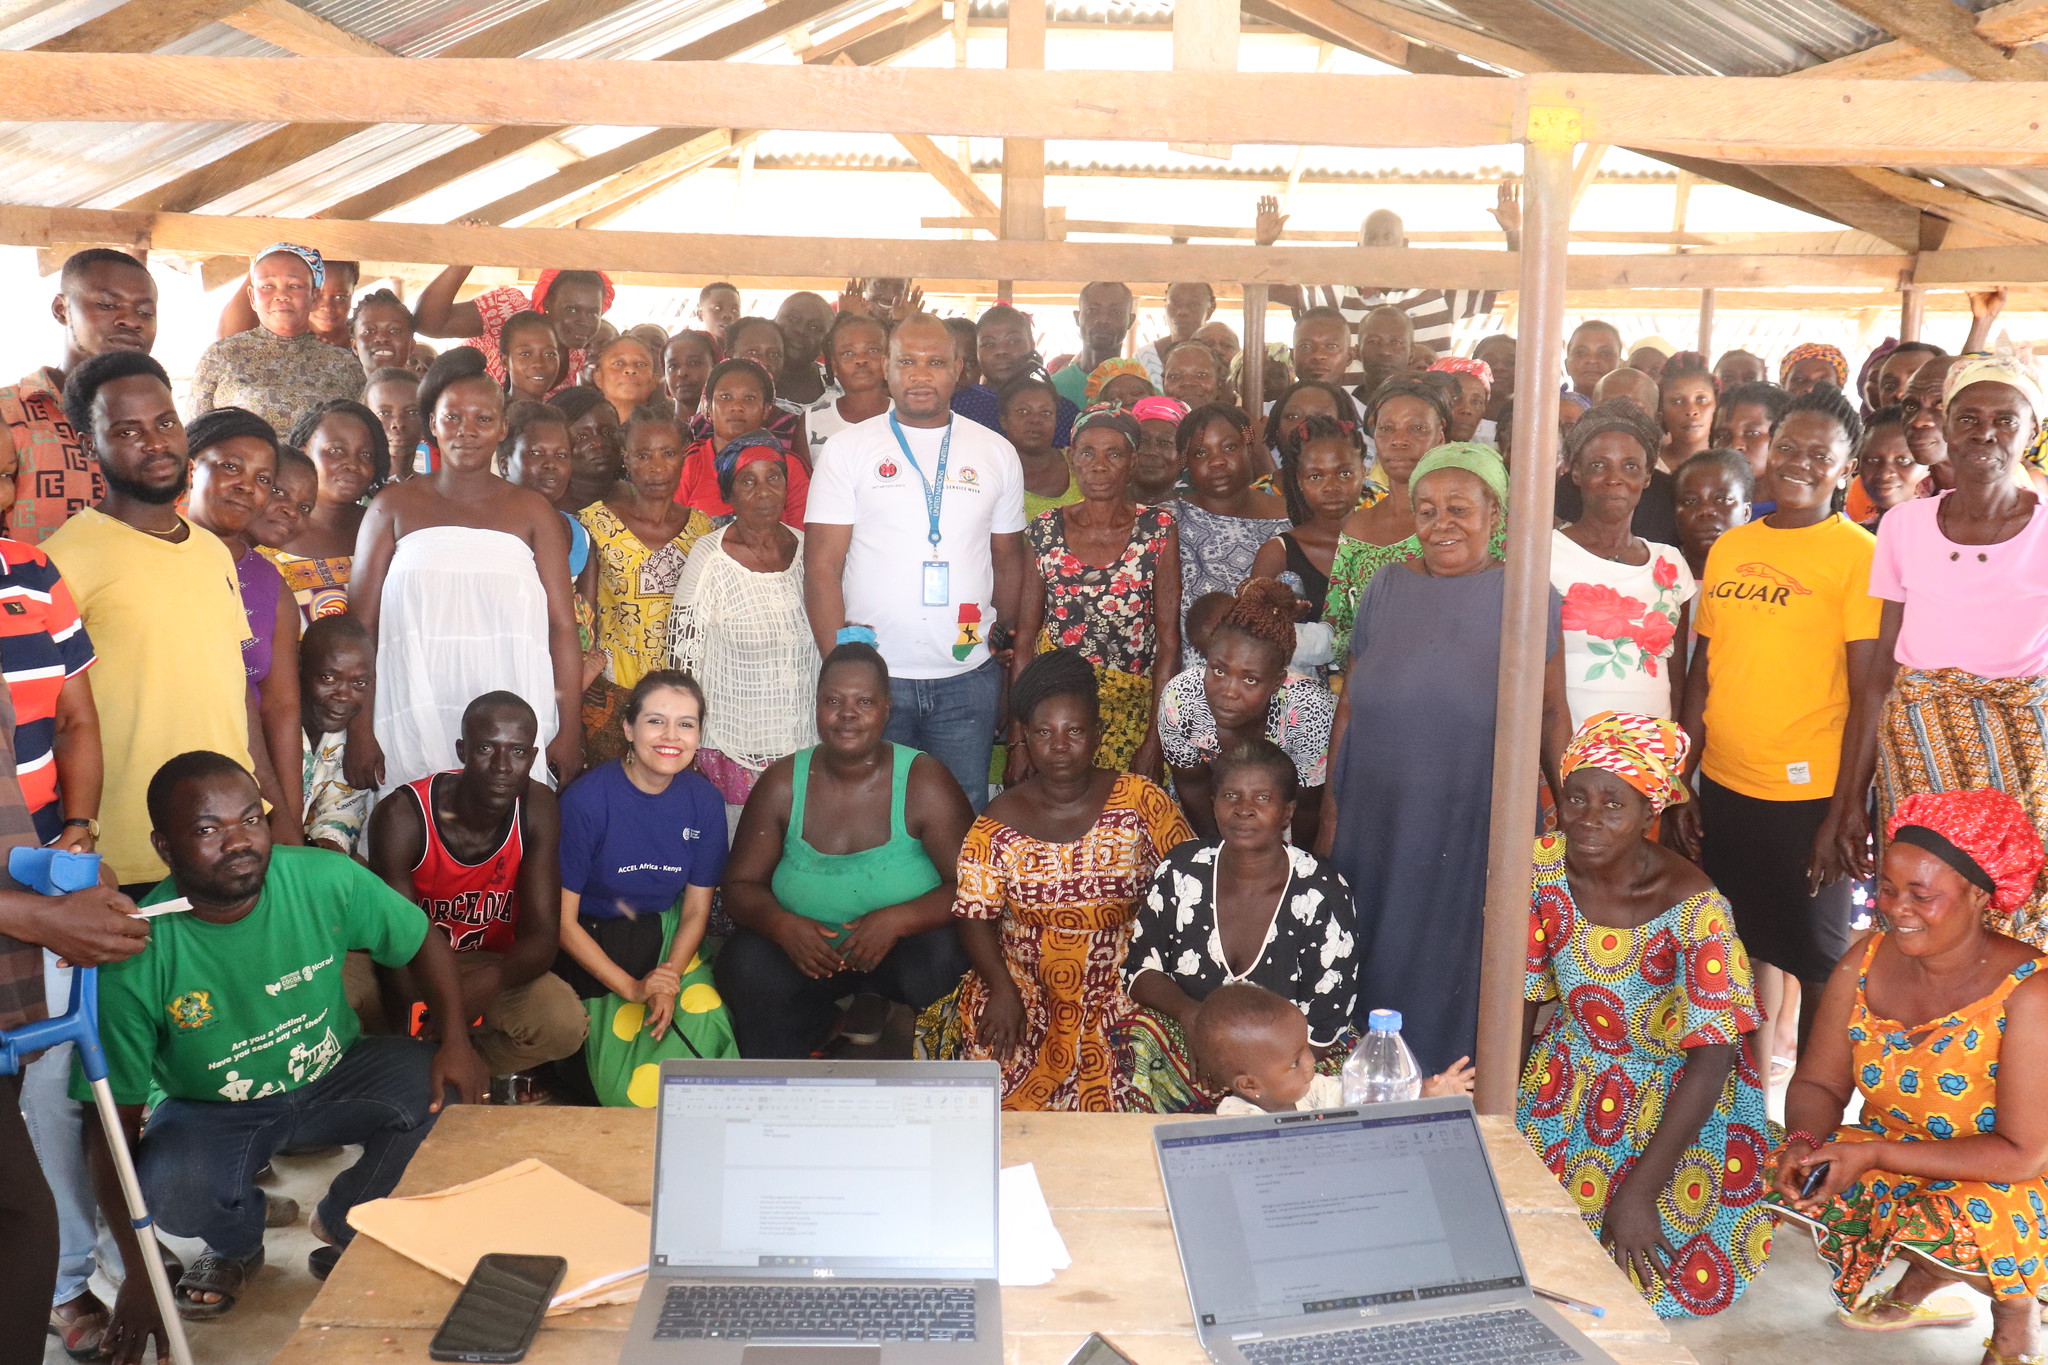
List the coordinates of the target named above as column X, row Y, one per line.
column 1384, row 1021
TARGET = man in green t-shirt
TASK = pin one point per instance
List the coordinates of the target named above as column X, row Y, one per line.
column 236, row 1013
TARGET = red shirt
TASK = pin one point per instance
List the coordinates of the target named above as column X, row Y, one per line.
column 474, row 904
column 699, row 488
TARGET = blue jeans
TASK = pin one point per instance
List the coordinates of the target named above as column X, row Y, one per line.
column 199, row 1159
column 952, row 719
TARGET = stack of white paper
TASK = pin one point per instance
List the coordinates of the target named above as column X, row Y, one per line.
column 1030, row 1247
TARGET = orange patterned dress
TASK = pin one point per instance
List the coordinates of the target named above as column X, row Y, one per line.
column 1066, row 912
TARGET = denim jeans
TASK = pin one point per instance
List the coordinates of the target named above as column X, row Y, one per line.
column 199, row 1158
column 952, row 719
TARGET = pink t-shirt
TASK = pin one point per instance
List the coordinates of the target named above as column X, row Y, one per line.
column 1980, row 608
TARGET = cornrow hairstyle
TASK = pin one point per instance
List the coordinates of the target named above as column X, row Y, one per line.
column 1316, row 428
column 1258, row 752
column 82, row 387
column 380, row 445
column 520, row 417
column 1340, row 403
column 1195, row 423
column 1616, row 414
column 1891, row 415
column 1757, row 393
column 1055, row 673
column 1264, row 611
column 530, row 320
column 1721, row 457
column 225, row 424
column 456, row 365
column 1409, row 386
column 859, row 654
column 382, row 297
column 1831, row 403
column 740, row 365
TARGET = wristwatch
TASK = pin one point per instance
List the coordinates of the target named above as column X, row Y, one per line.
column 91, row 827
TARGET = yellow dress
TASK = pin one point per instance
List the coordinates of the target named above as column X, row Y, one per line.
column 635, row 586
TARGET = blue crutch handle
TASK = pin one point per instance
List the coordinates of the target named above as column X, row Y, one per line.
column 57, row 872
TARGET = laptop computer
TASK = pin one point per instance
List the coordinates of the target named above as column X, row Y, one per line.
column 823, row 1213
column 1373, row 1235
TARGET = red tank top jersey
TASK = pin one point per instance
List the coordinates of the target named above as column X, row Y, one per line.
column 473, row 903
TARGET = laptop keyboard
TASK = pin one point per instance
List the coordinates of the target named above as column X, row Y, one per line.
column 1512, row 1337
column 803, row 1312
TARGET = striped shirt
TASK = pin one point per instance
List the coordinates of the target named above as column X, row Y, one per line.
column 42, row 645
column 1436, row 313
column 21, row 964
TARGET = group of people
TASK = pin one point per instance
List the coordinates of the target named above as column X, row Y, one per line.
column 588, row 697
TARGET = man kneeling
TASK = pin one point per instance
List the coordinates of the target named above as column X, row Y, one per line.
column 476, row 850
column 235, row 1010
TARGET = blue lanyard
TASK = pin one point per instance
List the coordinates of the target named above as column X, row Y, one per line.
column 934, row 491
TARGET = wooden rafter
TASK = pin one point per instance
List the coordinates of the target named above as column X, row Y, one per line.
column 140, row 25
column 1996, row 220
column 1949, row 34
column 2007, row 25
column 283, row 24
column 655, row 173
column 1451, row 37
column 273, row 152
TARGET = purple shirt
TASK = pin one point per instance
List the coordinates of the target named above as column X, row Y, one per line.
column 261, row 583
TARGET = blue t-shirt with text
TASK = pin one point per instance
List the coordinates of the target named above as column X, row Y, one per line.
column 624, row 850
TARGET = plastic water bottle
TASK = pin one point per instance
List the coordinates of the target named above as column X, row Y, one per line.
column 1381, row 1067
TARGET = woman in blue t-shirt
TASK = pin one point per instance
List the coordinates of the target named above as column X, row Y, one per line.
column 643, row 846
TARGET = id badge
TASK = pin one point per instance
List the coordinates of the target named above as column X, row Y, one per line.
column 938, row 589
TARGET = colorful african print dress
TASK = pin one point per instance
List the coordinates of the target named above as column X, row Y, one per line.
column 1919, row 1084
column 318, row 585
column 1066, row 912
column 636, row 587
column 1353, row 566
column 1105, row 612
column 1631, row 1001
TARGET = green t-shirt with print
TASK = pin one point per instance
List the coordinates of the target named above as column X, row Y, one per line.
column 224, row 1012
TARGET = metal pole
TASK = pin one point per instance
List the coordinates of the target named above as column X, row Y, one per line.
column 1524, row 625
column 1706, row 347
column 1254, row 394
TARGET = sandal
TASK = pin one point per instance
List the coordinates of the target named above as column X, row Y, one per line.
column 213, row 1273
column 1948, row 1311
column 80, row 1325
column 2030, row 1358
column 280, row 1211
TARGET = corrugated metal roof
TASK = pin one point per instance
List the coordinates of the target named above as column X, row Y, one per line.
column 1722, row 37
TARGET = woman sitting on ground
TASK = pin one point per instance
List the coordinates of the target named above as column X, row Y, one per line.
column 737, row 625
column 347, row 446
column 640, row 538
column 463, row 579
column 739, row 399
column 1050, row 879
column 643, row 848
column 1243, row 690
column 1111, row 573
column 1940, row 1027
column 842, row 875
column 1638, row 1094
column 1276, row 916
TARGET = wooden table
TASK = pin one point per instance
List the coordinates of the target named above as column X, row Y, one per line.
column 1099, row 1177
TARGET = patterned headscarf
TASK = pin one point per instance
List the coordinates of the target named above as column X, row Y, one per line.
column 547, row 281
column 1647, row 753
column 745, row 449
column 1994, row 369
column 1159, row 408
column 1811, row 350
column 1113, row 369
column 304, row 253
column 1980, row 832
column 1572, row 398
column 1471, row 457
column 1117, row 419
column 1871, row 365
column 1458, row 364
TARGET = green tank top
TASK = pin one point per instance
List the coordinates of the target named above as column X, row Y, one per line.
column 833, row 888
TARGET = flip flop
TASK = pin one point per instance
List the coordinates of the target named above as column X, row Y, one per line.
column 1947, row 1311
column 213, row 1273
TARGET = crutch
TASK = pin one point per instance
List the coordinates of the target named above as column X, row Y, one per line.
column 54, row 873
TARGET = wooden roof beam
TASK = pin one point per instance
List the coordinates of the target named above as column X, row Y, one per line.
column 283, row 24
column 140, row 26
column 1948, row 33
column 2004, row 26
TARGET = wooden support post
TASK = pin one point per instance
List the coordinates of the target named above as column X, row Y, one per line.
column 1524, row 623
column 1912, row 308
column 1254, row 394
column 1706, row 346
column 1023, row 157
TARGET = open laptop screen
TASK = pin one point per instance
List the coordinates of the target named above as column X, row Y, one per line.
column 1343, row 1214
column 862, row 1175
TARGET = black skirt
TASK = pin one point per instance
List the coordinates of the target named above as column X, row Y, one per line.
column 1757, row 853
column 633, row 943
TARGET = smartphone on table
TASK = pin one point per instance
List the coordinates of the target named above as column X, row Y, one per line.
column 498, row 1311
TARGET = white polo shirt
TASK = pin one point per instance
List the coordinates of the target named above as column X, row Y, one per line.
column 863, row 481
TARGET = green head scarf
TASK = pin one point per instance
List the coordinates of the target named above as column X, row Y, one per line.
column 1470, row 456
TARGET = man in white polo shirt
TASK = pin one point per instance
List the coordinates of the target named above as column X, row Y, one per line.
column 915, row 529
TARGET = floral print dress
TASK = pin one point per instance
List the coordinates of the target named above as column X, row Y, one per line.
column 636, row 587
column 1620, row 628
column 1922, row 1083
column 1105, row 612
column 1630, row 1002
